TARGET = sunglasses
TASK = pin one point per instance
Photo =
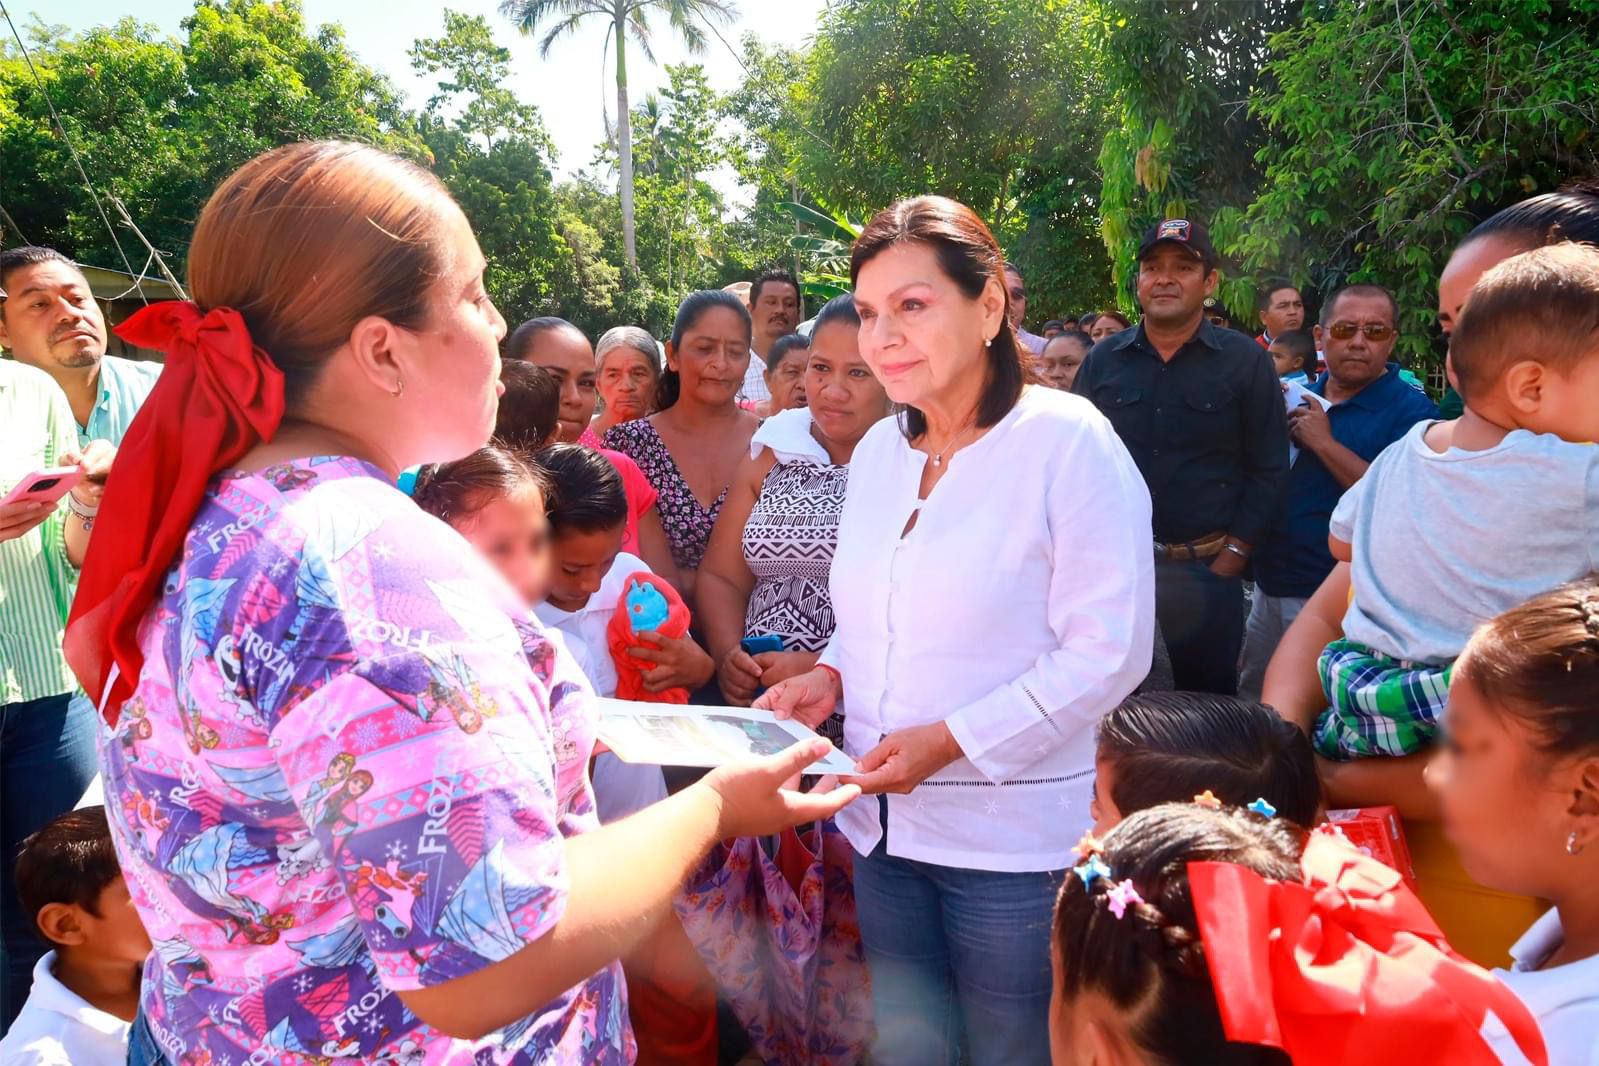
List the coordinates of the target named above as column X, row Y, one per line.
column 1374, row 331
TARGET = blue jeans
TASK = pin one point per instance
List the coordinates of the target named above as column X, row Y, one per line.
column 46, row 761
column 957, row 957
column 142, row 1047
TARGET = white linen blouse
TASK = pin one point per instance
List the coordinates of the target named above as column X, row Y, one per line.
column 1564, row 999
column 1018, row 611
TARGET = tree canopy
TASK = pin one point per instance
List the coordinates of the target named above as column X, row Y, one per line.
column 1327, row 140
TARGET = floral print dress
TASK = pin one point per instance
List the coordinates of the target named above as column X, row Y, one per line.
column 688, row 522
column 346, row 772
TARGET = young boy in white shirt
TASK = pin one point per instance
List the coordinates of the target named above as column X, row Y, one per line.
column 86, row 991
column 588, row 572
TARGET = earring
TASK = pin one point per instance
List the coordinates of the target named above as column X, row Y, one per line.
column 1572, row 846
column 399, row 387
column 989, row 343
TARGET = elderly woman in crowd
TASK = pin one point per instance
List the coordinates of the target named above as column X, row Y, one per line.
column 785, row 374
column 766, row 571
column 347, row 774
column 629, row 366
column 994, row 597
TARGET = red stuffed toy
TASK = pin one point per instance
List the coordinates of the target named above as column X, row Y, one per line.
column 649, row 606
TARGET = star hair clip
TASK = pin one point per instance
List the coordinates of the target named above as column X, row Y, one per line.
column 1263, row 808
column 1123, row 894
column 1208, row 800
column 1087, row 845
column 1091, row 870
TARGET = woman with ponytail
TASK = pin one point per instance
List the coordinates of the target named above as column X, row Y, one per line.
column 346, row 770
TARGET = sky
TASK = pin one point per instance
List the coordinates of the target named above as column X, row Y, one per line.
column 567, row 87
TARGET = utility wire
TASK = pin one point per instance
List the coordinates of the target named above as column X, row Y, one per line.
column 77, row 161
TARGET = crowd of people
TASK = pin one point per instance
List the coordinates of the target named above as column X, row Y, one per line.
column 298, row 753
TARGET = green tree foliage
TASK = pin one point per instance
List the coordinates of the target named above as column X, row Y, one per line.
column 630, row 20
column 1395, row 127
column 1181, row 139
column 493, row 152
column 160, row 122
column 991, row 102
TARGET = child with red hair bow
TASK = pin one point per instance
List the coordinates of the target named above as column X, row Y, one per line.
column 1205, row 934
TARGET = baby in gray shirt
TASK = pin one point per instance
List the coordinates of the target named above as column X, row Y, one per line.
column 1459, row 521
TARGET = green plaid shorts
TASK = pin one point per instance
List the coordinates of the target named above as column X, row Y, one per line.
column 1377, row 705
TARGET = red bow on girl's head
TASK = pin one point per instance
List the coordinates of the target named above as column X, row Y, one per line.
column 1346, row 969
column 217, row 397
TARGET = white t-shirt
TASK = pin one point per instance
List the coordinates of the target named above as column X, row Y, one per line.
column 1564, row 999
column 1444, row 541
column 57, row 1027
column 620, row 788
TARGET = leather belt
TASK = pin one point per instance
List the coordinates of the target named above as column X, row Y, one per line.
column 1204, row 548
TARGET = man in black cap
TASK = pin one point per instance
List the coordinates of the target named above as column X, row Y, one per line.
column 1202, row 413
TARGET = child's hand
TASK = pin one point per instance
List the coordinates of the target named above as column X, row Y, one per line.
column 679, row 663
column 739, row 676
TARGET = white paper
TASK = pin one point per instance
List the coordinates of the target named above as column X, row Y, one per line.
column 666, row 734
column 1296, row 395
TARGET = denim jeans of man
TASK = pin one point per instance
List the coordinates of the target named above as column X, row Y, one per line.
column 957, row 958
column 1201, row 616
column 1269, row 619
column 46, row 761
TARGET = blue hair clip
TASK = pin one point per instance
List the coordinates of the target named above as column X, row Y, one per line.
column 1264, row 809
column 1091, row 871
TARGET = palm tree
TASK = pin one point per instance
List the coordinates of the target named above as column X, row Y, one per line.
column 625, row 16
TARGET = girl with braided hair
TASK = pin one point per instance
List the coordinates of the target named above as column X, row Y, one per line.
column 1518, row 781
column 1198, row 933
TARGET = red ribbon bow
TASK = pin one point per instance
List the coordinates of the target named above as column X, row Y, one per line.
column 1346, row 969
column 217, row 397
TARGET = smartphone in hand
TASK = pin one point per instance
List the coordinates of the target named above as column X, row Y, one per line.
column 44, row 486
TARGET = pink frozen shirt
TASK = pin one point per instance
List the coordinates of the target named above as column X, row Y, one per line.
column 346, row 771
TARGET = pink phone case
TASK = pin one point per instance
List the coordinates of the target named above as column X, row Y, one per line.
column 44, row 486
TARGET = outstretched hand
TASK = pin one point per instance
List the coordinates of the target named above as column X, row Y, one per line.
column 755, row 800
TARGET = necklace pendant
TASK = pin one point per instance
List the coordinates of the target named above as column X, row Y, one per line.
column 938, row 459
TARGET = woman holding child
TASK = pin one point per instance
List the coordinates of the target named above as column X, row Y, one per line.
column 347, row 774
column 992, row 603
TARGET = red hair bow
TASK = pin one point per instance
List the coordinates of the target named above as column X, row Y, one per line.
column 1346, row 969
column 217, row 397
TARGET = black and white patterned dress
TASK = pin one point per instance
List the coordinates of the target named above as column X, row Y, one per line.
column 788, row 545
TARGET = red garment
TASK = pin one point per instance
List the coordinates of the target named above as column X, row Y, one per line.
column 671, row 999
column 217, row 397
column 620, row 637
column 1346, row 969
column 641, row 495
column 1261, row 340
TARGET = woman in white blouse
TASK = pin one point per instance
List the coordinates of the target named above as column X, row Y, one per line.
column 993, row 594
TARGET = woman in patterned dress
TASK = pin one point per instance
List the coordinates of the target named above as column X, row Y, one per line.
column 692, row 446
column 380, row 852
column 766, row 569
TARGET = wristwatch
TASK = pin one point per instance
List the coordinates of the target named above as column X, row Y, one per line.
column 1236, row 550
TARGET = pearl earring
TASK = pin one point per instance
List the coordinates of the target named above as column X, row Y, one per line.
column 1572, row 847
column 989, row 343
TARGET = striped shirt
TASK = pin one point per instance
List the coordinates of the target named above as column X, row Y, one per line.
column 36, row 581
column 124, row 383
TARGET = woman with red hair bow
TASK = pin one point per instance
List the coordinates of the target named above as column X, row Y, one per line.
column 335, row 682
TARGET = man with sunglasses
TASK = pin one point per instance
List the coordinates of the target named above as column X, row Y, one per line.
column 1201, row 412
column 1371, row 406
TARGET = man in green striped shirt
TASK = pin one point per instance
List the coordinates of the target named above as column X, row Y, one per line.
column 46, row 737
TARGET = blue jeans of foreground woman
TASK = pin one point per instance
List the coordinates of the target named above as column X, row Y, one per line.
column 957, row 957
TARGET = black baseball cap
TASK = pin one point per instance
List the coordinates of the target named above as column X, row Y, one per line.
column 1191, row 235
